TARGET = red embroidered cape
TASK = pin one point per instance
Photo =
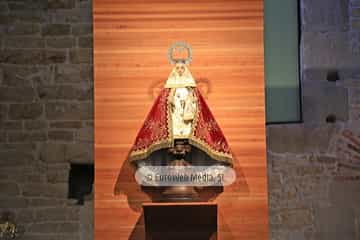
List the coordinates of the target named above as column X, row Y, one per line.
column 156, row 132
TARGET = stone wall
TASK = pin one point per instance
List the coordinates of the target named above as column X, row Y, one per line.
column 46, row 122
column 46, row 114
column 314, row 167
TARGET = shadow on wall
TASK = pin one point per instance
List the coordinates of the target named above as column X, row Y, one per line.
column 136, row 195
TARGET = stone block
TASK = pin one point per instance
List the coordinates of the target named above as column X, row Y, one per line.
column 86, row 220
column 355, row 3
column 25, row 216
column 274, row 181
column 24, row 42
column 79, row 153
column 299, row 138
column 82, row 29
column 351, row 83
column 76, row 15
column 58, row 213
column 69, row 227
column 85, row 42
column 61, row 135
column 297, row 235
column 321, row 100
column 309, row 171
column 4, row 109
column 13, row 202
column 346, row 172
column 60, row 42
column 345, row 193
column 24, row 147
column 69, row 111
column 65, row 92
column 25, row 5
column 324, row 15
column 25, row 111
column 16, row 56
column 4, row 7
column 23, row 29
column 61, row 4
column 354, row 113
column 314, row 74
column 11, row 125
column 55, row 29
column 354, row 96
column 2, row 137
column 73, row 73
column 59, row 190
column 4, row 176
column 47, row 202
column 347, row 145
column 9, row 189
column 35, row 124
column 84, row 4
column 357, row 222
column 327, row 50
column 346, row 75
column 51, row 236
column 57, row 176
column 278, row 233
column 355, row 12
column 52, row 153
column 1, row 73
column 16, row 94
column 85, row 135
column 32, row 56
column 19, row 76
column 89, row 124
column 43, row 228
column 313, row 190
column 295, row 218
column 54, row 56
column 350, row 77
column 6, row 19
column 26, row 16
column 326, row 159
column 334, row 223
column 355, row 41
column 32, row 136
column 66, row 124
column 83, row 55
column 355, row 24
column 26, row 175
column 11, row 158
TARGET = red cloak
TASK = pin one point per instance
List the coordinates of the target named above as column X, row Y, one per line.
column 156, row 132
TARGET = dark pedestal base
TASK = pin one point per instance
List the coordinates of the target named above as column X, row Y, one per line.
column 175, row 221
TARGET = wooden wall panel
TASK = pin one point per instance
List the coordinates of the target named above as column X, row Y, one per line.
column 131, row 39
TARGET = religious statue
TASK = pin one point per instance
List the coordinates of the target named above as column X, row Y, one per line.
column 180, row 128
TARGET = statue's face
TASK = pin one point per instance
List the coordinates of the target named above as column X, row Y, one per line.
column 180, row 69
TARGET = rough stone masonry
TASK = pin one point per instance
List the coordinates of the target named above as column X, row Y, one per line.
column 46, row 114
column 46, row 122
column 314, row 166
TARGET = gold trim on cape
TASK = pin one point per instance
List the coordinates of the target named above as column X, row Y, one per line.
column 168, row 142
column 202, row 145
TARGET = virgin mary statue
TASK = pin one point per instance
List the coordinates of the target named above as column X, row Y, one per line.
column 180, row 115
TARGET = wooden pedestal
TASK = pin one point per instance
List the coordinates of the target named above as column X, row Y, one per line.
column 191, row 220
